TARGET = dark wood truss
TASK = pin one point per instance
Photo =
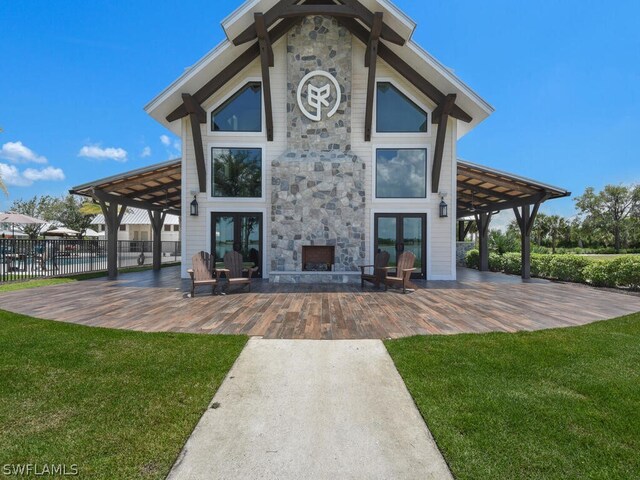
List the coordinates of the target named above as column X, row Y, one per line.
column 272, row 25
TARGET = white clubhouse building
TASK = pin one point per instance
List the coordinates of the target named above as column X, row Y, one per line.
column 322, row 124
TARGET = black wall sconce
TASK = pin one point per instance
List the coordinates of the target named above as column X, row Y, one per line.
column 194, row 207
column 444, row 208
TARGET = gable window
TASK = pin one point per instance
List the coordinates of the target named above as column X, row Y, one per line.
column 401, row 173
column 240, row 113
column 396, row 113
column 237, row 172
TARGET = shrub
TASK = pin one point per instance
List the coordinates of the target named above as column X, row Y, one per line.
column 600, row 274
column 495, row 262
column 540, row 265
column 472, row 260
column 567, row 268
column 512, row 263
column 626, row 272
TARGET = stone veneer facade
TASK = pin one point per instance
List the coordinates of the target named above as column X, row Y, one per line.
column 318, row 186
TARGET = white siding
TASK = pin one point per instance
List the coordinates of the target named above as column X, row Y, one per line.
column 440, row 232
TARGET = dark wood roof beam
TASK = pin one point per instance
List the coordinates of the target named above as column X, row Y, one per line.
column 486, row 191
column 441, row 138
column 289, row 9
column 105, row 197
column 198, row 148
column 499, row 182
column 266, row 61
column 368, row 18
column 192, row 106
column 234, row 68
column 160, row 188
column 404, row 69
column 270, row 18
column 371, row 61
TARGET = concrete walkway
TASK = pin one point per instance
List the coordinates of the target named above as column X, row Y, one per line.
column 312, row 410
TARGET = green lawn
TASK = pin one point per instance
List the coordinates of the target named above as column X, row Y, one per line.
column 46, row 282
column 119, row 404
column 555, row 404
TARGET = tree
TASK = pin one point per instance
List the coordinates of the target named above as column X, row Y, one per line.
column 502, row 243
column 610, row 209
column 37, row 207
column 557, row 227
column 67, row 210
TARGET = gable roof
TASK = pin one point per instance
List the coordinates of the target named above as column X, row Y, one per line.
column 226, row 52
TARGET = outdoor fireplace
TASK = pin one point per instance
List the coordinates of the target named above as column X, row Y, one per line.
column 318, row 258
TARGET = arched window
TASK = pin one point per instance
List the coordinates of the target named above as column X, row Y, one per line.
column 240, row 113
column 396, row 113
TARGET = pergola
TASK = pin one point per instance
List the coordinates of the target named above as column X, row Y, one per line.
column 155, row 189
column 483, row 192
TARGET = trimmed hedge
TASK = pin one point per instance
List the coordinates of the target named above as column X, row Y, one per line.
column 621, row 272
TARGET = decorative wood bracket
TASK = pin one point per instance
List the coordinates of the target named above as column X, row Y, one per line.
column 441, row 138
column 288, row 9
column 196, row 116
column 371, row 60
column 266, row 61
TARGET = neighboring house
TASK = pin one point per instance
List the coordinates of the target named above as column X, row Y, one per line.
column 323, row 126
column 136, row 226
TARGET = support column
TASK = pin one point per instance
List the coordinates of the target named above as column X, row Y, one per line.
column 525, row 218
column 461, row 234
column 113, row 214
column 483, row 220
column 157, row 222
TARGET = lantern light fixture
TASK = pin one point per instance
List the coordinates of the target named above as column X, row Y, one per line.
column 194, row 207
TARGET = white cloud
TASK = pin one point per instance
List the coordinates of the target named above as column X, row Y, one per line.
column 51, row 174
column 17, row 152
column 13, row 177
column 99, row 153
column 146, row 152
column 173, row 147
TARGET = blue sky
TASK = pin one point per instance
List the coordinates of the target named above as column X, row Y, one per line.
column 564, row 78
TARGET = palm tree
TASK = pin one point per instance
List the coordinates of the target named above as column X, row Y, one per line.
column 3, row 187
column 557, row 226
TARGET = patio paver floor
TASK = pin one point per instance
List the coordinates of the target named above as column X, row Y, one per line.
column 476, row 303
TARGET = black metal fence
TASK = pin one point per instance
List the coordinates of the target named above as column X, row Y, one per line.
column 29, row 259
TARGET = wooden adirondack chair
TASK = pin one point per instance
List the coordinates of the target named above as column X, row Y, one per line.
column 406, row 261
column 203, row 272
column 234, row 270
column 379, row 270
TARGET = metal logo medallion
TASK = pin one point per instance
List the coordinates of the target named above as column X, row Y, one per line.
column 318, row 97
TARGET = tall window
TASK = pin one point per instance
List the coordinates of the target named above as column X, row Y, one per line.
column 401, row 173
column 241, row 113
column 396, row 113
column 237, row 172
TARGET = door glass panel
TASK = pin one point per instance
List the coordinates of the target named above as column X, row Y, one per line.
column 387, row 237
column 224, row 236
column 250, row 240
column 412, row 238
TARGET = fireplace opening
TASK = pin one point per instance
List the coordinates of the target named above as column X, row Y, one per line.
column 318, row 258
